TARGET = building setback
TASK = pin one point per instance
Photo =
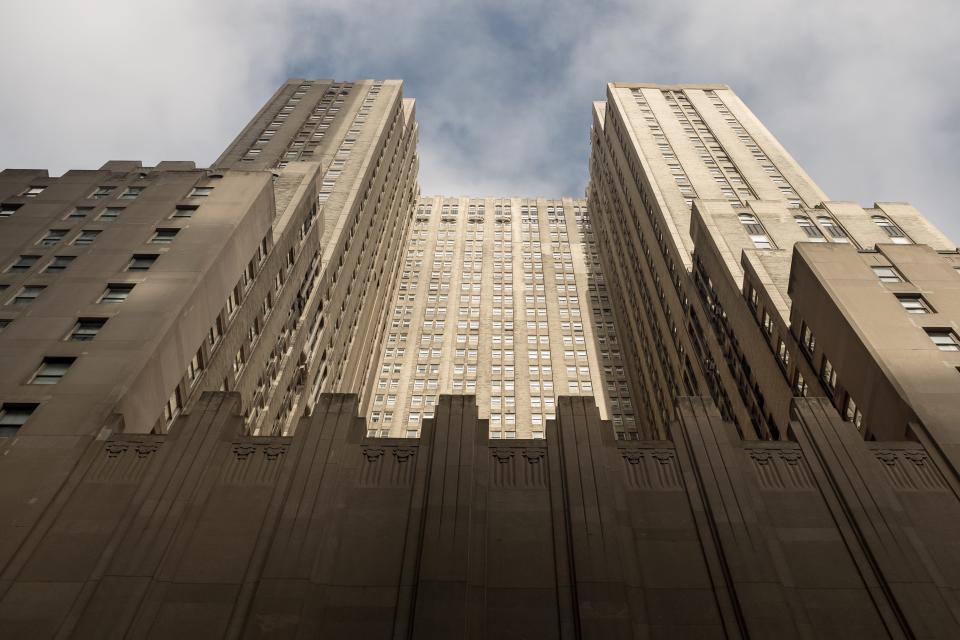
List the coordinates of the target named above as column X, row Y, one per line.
column 288, row 396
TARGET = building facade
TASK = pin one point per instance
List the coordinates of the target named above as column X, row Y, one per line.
column 502, row 299
column 700, row 212
column 288, row 396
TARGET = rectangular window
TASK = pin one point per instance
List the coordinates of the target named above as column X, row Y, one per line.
column 782, row 353
column 914, row 303
column 164, row 236
column 23, row 263
column 33, row 192
column 59, row 263
column 799, row 384
column 52, row 370
column 13, row 416
column 141, row 262
column 184, row 211
column 828, row 374
column 116, row 293
column 86, row 329
column 808, row 340
column 28, row 294
column 7, row 210
column 945, row 339
column 216, row 332
column 852, row 414
column 101, row 192
column 767, row 323
column 86, row 237
column 195, row 368
column 887, row 274
column 110, row 214
column 172, row 409
column 239, row 359
column 53, row 237
column 79, row 213
column 131, row 193
column 201, row 192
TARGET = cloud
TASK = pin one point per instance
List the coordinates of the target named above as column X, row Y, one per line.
column 862, row 95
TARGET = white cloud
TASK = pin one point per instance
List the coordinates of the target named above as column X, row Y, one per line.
column 861, row 94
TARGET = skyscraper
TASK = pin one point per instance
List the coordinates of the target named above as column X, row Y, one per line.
column 503, row 299
column 288, row 396
column 702, row 211
column 141, row 288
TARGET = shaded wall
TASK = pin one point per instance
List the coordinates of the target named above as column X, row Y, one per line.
column 203, row 533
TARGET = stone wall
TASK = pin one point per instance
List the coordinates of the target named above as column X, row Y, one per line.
column 203, row 533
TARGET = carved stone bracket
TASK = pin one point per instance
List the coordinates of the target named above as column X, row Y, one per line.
column 534, row 456
column 244, row 451
column 403, row 454
column 372, row 453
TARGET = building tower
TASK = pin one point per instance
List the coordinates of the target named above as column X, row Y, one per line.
column 700, row 213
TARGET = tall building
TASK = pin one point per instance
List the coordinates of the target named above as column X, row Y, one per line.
column 701, row 211
column 135, row 289
column 288, row 396
column 502, row 299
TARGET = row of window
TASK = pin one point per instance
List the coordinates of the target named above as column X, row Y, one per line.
column 761, row 239
column 99, row 193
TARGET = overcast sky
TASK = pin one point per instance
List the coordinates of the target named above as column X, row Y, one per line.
column 864, row 94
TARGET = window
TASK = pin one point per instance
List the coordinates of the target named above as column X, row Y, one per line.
column 59, row 263
column 756, row 231
column 23, row 263
column 200, row 192
column 164, row 236
column 116, row 293
column 141, row 262
column 808, row 340
column 783, row 354
column 945, row 339
column 53, row 237
column 852, row 414
column 914, row 303
column 28, row 294
column 195, row 368
column 799, row 384
column 184, row 211
column 828, row 374
column 172, row 408
column 7, row 210
column 52, row 370
column 767, row 323
column 887, row 274
column 835, row 230
column 239, row 359
column 894, row 232
column 110, row 214
column 79, row 213
column 86, row 329
column 33, row 192
column 13, row 416
column 216, row 332
column 101, row 192
column 131, row 193
column 86, row 237
column 813, row 233
column 4, row 323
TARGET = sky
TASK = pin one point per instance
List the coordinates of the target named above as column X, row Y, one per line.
column 864, row 95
